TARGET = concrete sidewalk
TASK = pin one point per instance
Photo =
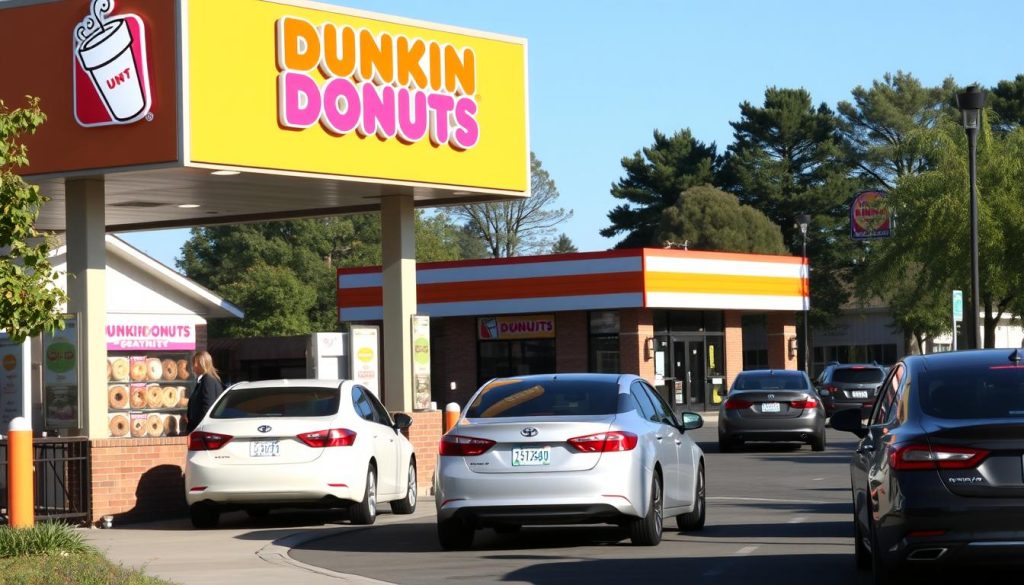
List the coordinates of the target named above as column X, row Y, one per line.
column 240, row 550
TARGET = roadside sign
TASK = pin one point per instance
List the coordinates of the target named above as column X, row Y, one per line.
column 958, row 305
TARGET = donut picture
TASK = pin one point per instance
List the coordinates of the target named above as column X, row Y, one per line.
column 154, row 425
column 110, row 371
column 170, row 369
column 170, row 397
column 154, row 396
column 171, row 425
column 118, row 369
column 139, row 426
column 154, row 369
column 182, row 369
column 182, row 397
column 117, row 397
column 118, row 425
column 137, row 396
column 138, row 369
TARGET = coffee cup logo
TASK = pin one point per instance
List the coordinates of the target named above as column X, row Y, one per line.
column 111, row 74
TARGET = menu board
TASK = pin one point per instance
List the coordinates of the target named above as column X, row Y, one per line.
column 61, row 397
column 15, row 369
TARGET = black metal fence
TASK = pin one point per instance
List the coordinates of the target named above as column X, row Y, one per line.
column 62, row 480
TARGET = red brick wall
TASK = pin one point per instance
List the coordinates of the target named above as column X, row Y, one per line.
column 780, row 327
column 636, row 326
column 571, row 343
column 733, row 346
column 138, row 479
column 424, row 435
column 453, row 360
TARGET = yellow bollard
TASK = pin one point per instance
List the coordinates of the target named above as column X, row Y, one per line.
column 451, row 415
column 21, row 507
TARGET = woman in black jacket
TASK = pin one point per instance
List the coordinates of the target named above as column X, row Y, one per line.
column 208, row 388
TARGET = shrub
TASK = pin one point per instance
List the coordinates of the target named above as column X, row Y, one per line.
column 46, row 538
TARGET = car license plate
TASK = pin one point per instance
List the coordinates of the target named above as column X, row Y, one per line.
column 264, row 449
column 771, row 407
column 859, row 394
column 531, row 456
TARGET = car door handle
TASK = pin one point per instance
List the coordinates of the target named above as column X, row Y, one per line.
column 658, row 437
column 678, row 442
column 865, row 449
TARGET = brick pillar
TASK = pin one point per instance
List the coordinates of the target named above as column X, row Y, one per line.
column 425, row 434
column 571, row 343
column 780, row 327
column 636, row 326
column 733, row 346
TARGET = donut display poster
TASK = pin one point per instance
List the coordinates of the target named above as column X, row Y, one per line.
column 61, row 398
column 15, row 373
column 147, row 393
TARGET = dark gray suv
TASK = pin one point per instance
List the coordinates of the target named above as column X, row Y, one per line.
column 844, row 386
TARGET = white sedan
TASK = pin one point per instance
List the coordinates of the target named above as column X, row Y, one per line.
column 299, row 443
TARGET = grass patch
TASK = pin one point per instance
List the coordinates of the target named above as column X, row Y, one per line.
column 55, row 553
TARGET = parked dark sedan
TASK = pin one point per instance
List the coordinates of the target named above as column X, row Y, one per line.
column 771, row 405
column 938, row 475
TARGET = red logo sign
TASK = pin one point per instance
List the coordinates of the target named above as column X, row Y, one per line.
column 111, row 72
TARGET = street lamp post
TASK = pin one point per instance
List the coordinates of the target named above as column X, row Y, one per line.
column 971, row 102
column 802, row 222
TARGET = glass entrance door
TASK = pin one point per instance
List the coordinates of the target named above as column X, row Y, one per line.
column 690, row 374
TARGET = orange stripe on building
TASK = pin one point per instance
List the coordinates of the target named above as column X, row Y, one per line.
column 723, row 284
column 722, row 256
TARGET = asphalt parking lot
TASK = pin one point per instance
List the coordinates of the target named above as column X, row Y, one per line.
column 776, row 514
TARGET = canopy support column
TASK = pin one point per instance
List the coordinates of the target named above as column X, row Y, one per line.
column 398, row 256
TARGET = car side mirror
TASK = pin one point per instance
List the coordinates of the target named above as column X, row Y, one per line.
column 402, row 420
column 849, row 420
column 691, row 421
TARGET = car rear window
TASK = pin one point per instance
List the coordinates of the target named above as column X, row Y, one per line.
column 509, row 398
column 290, row 401
column 858, row 375
column 973, row 393
column 776, row 381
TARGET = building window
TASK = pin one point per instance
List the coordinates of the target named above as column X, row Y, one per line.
column 519, row 357
column 689, row 322
column 603, row 341
column 755, row 359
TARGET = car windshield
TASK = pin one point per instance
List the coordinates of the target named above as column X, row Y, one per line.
column 773, row 381
column 509, row 398
column 996, row 392
column 858, row 376
column 288, row 401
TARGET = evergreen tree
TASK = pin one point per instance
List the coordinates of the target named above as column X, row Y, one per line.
column 1007, row 102
column 655, row 176
column 706, row 218
column 564, row 245
column 786, row 161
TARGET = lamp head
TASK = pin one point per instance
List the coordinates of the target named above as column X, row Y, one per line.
column 970, row 102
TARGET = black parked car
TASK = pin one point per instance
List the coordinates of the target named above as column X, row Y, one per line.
column 938, row 476
column 847, row 385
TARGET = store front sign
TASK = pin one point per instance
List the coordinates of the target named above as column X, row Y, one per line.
column 111, row 74
column 150, row 333
column 516, row 327
column 870, row 216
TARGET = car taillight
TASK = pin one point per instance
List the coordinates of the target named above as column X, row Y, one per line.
column 329, row 438
column 603, row 442
column 203, row 441
column 803, row 403
column 832, row 389
column 910, row 457
column 459, row 446
column 737, row 404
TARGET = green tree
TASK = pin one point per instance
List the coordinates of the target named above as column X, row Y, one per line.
column 29, row 298
column 932, row 245
column 1007, row 102
column 655, row 176
column 261, row 267
column 564, row 245
column 786, row 161
column 879, row 124
column 706, row 218
column 519, row 226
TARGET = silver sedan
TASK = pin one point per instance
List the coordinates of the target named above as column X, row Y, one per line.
column 568, row 449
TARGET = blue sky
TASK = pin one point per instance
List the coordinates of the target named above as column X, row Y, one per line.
column 604, row 74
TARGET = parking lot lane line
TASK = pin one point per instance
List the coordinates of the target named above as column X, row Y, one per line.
column 745, row 550
column 772, row 500
column 797, row 520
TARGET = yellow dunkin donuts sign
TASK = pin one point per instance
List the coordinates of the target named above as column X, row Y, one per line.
column 312, row 88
